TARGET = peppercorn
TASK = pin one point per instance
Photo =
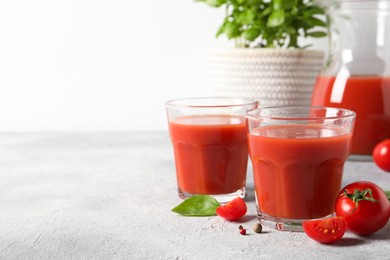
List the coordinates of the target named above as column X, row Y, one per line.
column 257, row 227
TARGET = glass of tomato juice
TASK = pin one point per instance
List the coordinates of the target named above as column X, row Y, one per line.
column 209, row 139
column 298, row 155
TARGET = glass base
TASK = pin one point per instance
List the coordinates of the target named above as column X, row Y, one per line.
column 221, row 198
column 283, row 224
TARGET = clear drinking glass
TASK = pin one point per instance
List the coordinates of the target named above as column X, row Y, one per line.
column 210, row 145
column 298, row 155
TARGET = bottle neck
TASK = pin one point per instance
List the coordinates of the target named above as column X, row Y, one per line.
column 363, row 43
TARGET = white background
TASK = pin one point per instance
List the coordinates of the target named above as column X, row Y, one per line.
column 101, row 65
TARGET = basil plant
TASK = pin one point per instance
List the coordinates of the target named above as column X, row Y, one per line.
column 271, row 23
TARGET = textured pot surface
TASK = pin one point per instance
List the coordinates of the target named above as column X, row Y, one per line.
column 273, row 77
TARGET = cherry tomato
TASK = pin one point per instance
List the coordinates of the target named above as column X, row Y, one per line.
column 381, row 155
column 232, row 210
column 364, row 206
column 326, row 230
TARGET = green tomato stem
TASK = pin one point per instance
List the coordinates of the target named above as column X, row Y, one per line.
column 358, row 196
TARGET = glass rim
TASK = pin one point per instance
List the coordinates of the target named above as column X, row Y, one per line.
column 206, row 102
column 346, row 113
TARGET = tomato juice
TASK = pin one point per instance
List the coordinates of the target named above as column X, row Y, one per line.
column 368, row 97
column 211, row 153
column 298, row 169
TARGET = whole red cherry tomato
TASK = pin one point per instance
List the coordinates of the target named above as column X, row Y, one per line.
column 381, row 155
column 364, row 206
column 232, row 210
column 326, row 230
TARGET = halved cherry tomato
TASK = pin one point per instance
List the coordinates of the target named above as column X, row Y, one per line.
column 326, row 230
column 381, row 155
column 364, row 206
column 232, row 210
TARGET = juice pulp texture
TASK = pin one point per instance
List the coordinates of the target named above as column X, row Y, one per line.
column 211, row 153
column 368, row 97
column 298, row 178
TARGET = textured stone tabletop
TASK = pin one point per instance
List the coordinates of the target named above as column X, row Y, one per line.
column 108, row 196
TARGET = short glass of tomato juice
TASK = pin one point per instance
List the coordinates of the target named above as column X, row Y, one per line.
column 298, row 155
column 209, row 139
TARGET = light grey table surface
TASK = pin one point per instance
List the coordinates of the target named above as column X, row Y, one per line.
column 109, row 195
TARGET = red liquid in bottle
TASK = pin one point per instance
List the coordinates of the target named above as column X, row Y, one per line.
column 368, row 97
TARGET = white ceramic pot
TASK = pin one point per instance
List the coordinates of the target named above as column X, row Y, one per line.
column 274, row 77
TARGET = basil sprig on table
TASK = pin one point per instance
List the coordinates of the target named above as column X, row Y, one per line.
column 198, row 205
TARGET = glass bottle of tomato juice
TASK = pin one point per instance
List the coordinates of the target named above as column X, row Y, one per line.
column 356, row 74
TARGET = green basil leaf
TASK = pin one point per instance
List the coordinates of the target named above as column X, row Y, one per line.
column 315, row 21
column 215, row 3
column 259, row 24
column 311, row 10
column 282, row 4
column 316, row 34
column 232, row 30
column 276, row 18
column 388, row 195
column 265, row 12
column 247, row 16
column 277, row 4
column 293, row 41
column 291, row 30
column 220, row 31
column 198, row 205
column 251, row 34
column 288, row 4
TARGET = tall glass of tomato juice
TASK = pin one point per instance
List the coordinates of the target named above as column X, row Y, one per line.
column 298, row 155
column 209, row 139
